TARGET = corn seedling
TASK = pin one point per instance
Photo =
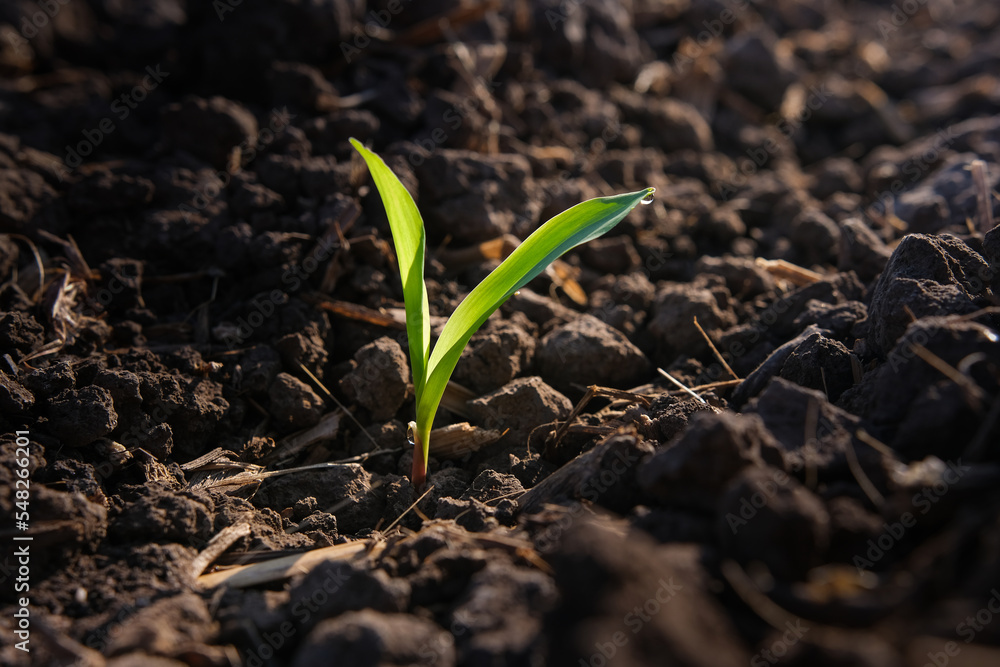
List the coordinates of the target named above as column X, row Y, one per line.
column 432, row 369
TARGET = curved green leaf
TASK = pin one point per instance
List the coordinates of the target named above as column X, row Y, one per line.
column 410, row 241
column 579, row 224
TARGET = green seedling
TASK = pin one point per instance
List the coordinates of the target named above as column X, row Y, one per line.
column 432, row 369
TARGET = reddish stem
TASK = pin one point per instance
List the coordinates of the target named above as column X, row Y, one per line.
column 418, row 475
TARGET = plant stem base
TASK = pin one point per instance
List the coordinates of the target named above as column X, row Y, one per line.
column 418, row 474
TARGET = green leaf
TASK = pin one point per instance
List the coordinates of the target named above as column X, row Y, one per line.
column 579, row 224
column 410, row 241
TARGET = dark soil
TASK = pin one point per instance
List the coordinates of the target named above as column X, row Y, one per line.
column 197, row 273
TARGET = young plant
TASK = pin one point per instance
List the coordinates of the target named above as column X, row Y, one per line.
column 432, row 369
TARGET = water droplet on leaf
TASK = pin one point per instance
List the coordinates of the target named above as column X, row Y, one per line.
column 648, row 199
column 411, row 433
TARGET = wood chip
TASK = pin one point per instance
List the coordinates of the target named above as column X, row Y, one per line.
column 218, row 544
column 564, row 277
column 794, row 274
column 326, row 429
column 392, row 318
column 983, row 203
column 241, row 484
column 217, row 454
column 152, row 469
column 457, row 440
column 353, row 311
column 456, row 399
column 495, row 249
column 286, row 567
column 430, row 31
